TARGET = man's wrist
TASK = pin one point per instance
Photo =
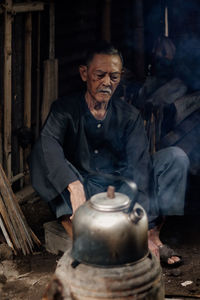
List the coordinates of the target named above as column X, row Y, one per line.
column 73, row 185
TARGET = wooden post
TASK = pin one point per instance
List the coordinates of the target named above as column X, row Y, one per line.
column 27, row 70
column 6, row 115
column 50, row 79
column 37, row 127
column 52, row 31
column 138, row 33
column 27, row 79
column 1, row 140
column 7, row 86
column 106, row 30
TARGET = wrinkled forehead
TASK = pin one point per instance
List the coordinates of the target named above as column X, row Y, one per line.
column 106, row 61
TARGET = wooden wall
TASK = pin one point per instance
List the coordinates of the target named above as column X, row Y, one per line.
column 83, row 23
column 133, row 26
column 1, row 87
column 77, row 27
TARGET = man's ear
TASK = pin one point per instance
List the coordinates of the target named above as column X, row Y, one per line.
column 83, row 72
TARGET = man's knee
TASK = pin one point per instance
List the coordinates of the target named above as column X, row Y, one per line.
column 172, row 155
column 178, row 157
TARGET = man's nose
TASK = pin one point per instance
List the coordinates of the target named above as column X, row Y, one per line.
column 106, row 80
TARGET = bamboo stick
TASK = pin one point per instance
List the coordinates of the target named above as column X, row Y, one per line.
column 10, row 244
column 35, row 238
column 7, row 86
column 9, row 204
column 8, row 224
column 27, row 83
column 37, row 127
column 17, row 177
column 14, row 218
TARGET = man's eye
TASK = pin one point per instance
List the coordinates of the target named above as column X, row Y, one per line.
column 115, row 77
column 100, row 76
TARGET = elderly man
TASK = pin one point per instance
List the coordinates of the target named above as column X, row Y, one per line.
column 88, row 135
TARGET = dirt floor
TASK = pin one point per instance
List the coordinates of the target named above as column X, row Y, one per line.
column 27, row 277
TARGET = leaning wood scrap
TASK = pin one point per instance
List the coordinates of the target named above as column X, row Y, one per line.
column 13, row 224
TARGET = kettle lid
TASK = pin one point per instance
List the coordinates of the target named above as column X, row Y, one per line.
column 102, row 202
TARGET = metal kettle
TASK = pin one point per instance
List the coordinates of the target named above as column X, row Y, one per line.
column 107, row 233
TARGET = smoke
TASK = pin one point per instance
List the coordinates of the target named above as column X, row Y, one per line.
column 187, row 62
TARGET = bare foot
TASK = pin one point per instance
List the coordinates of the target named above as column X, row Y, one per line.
column 154, row 241
column 153, row 248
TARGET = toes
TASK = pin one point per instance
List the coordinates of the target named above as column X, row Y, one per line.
column 173, row 260
column 170, row 261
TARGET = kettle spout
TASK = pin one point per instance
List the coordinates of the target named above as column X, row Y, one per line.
column 136, row 215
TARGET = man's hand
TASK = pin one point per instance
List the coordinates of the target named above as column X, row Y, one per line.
column 77, row 195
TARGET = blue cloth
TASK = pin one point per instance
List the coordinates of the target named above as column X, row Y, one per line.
column 73, row 144
column 168, row 187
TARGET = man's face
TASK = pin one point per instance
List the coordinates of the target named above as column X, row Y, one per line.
column 102, row 77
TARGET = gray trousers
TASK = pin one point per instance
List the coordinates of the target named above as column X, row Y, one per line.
column 170, row 169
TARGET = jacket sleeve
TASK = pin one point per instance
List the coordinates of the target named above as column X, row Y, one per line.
column 50, row 171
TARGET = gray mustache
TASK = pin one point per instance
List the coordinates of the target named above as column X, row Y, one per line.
column 106, row 90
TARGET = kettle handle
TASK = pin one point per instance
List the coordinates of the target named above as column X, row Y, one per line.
column 134, row 189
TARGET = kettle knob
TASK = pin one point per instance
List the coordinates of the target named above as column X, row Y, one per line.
column 111, row 192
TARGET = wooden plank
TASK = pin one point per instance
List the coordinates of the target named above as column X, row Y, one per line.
column 7, row 87
column 181, row 131
column 28, row 7
column 186, row 105
column 50, row 86
column 25, row 194
column 25, row 7
column 21, row 166
column 182, row 297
